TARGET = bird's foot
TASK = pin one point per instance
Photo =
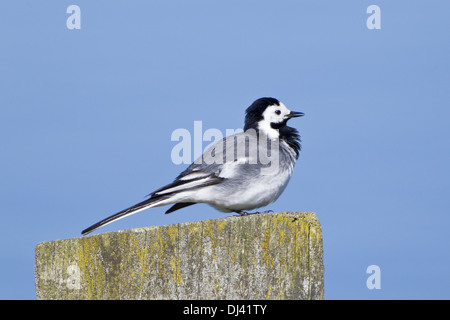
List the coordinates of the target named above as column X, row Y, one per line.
column 244, row 213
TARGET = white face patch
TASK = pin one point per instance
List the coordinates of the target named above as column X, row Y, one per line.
column 273, row 114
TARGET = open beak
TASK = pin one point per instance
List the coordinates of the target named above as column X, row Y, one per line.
column 295, row 114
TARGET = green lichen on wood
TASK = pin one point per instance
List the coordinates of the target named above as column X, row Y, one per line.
column 264, row 256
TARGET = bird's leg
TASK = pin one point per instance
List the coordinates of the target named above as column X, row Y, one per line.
column 241, row 213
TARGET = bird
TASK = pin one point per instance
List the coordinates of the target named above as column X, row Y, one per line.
column 233, row 175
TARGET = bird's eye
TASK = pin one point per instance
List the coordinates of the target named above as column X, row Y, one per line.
column 278, row 112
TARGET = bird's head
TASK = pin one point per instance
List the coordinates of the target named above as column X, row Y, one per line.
column 268, row 115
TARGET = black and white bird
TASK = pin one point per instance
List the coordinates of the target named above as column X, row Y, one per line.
column 234, row 174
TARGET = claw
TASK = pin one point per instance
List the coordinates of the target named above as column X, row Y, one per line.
column 241, row 213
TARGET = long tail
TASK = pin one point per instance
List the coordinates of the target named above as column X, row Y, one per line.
column 124, row 213
column 179, row 185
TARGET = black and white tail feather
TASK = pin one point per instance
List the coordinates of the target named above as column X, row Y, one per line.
column 234, row 185
column 158, row 197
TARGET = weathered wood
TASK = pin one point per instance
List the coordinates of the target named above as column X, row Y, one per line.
column 261, row 256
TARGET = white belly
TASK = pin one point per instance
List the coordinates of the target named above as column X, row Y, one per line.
column 255, row 194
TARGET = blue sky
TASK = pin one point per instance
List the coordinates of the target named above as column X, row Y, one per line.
column 86, row 118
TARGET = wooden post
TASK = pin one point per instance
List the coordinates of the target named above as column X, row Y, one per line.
column 261, row 256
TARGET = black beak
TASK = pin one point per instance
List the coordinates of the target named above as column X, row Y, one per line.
column 295, row 114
